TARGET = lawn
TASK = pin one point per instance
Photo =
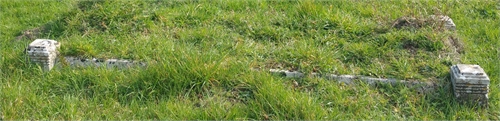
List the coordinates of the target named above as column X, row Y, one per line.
column 209, row 59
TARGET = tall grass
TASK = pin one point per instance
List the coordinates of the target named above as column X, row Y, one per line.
column 203, row 55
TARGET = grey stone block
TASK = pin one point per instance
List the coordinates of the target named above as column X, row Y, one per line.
column 43, row 52
column 470, row 83
column 469, row 74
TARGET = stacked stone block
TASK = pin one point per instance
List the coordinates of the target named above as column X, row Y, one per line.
column 470, row 83
column 43, row 52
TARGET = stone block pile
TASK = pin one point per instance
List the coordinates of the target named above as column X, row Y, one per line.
column 43, row 52
column 470, row 83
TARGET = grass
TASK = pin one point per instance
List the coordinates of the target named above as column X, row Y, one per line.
column 205, row 53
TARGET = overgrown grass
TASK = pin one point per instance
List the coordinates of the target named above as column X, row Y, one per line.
column 204, row 53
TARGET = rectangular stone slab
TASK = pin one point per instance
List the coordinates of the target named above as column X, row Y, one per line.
column 456, row 73
column 469, row 89
column 471, row 85
column 469, row 75
column 472, row 89
column 470, row 69
column 470, row 92
column 481, row 98
column 42, row 43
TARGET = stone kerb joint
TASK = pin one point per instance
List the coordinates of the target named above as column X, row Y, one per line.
column 43, row 52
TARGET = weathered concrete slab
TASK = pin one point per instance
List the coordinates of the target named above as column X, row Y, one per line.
column 347, row 79
column 469, row 74
column 351, row 79
column 107, row 63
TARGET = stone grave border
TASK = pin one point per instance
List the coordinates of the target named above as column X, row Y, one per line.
column 466, row 87
column 470, row 84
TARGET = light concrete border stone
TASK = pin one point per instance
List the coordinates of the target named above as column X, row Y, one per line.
column 108, row 63
column 351, row 79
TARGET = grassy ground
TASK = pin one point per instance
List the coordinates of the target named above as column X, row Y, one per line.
column 205, row 53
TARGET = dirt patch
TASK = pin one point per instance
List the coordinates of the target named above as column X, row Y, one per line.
column 30, row 34
column 411, row 47
column 408, row 22
column 438, row 22
column 271, row 64
column 240, row 94
column 456, row 44
column 454, row 47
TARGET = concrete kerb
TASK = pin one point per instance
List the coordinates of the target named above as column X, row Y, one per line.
column 94, row 62
column 422, row 87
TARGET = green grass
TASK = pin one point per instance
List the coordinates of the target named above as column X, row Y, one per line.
column 204, row 53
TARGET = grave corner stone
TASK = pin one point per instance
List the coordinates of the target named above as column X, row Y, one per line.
column 470, row 83
column 43, row 52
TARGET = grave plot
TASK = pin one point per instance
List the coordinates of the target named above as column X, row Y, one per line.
column 467, row 84
column 452, row 47
column 333, row 52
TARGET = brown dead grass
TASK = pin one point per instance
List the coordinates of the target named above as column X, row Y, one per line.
column 30, row 34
